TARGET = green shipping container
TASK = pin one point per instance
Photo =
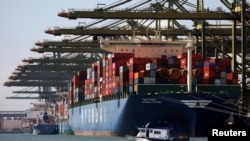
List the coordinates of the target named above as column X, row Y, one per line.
column 160, row 88
column 176, row 88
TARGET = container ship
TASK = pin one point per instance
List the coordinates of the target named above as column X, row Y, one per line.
column 152, row 80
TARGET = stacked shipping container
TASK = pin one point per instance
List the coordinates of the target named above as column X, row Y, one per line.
column 62, row 109
column 122, row 73
column 76, row 87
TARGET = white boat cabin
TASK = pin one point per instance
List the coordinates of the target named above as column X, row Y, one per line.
column 154, row 133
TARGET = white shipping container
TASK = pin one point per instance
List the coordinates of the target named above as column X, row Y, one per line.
column 89, row 75
column 152, row 80
column 89, row 70
column 149, row 80
column 95, row 89
column 146, row 80
column 150, row 66
column 94, row 74
column 123, row 69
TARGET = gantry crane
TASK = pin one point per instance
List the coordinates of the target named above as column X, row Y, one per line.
column 138, row 20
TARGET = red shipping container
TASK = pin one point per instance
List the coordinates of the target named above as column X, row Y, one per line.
column 225, row 62
column 114, row 84
column 208, row 68
column 137, row 61
column 198, row 56
column 232, row 75
column 208, row 81
column 217, row 74
column 208, row 75
column 214, row 60
column 183, row 80
column 223, row 68
column 184, row 73
column 110, row 85
column 183, row 63
column 131, row 81
column 235, row 81
column 174, row 73
column 181, row 55
column 183, row 67
column 115, row 55
column 162, row 72
column 131, row 75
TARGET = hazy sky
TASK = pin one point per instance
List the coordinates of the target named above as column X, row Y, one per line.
column 23, row 23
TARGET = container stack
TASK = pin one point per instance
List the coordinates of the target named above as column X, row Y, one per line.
column 136, row 66
column 216, row 72
column 62, row 109
column 105, row 76
column 123, row 79
column 77, row 87
column 123, row 73
column 209, row 70
column 197, row 61
column 88, row 84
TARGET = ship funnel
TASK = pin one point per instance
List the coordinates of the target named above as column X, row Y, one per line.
column 189, row 47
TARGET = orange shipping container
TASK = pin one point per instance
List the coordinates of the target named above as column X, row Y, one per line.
column 136, row 75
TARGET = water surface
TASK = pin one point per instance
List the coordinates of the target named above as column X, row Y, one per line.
column 61, row 137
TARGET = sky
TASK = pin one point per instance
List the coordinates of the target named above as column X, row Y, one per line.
column 22, row 24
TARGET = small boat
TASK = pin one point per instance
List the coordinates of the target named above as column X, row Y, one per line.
column 155, row 134
column 45, row 129
column 46, row 125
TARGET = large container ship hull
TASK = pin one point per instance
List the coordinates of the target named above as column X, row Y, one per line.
column 189, row 114
column 189, row 92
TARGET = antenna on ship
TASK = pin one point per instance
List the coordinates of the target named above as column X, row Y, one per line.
column 189, row 47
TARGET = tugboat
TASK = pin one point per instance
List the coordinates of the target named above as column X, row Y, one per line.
column 155, row 134
column 46, row 125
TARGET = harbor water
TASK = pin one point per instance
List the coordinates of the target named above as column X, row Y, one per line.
column 30, row 137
